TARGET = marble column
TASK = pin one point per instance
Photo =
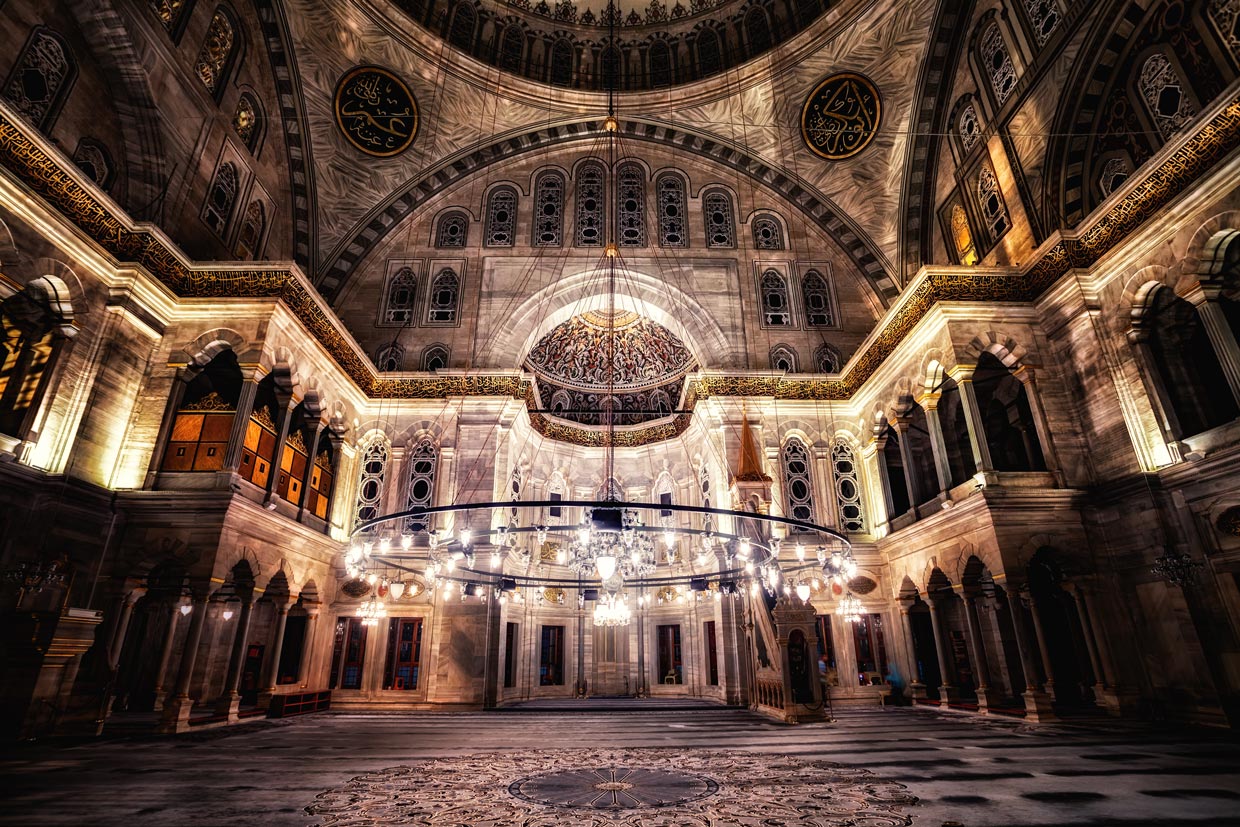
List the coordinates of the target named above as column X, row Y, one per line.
column 1160, row 399
column 285, row 405
column 1086, row 632
column 229, row 701
column 176, row 712
column 884, row 478
column 1037, row 702
column 973, row 417
column 1206, row 298
column 307, row 648
column 277, row 648
column 977, row 652
column 906, row 459
column 947, row 692
column 1048, row 683
column 236, row 438
column 916, row 687
column 122, row 628
column 306, row 479
column 165, row 655
column 1040, row 423
column 942, row 469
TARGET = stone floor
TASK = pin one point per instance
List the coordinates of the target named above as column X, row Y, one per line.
column 644, row 767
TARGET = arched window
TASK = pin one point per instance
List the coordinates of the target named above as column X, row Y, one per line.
column 512, row 48
column 549, row 210
column 435, row 358
column 710, row 56
column 660, row 64
column 445, row 297
column 390, row 358
column 501, row 217
column 374, row 451
column 423, row 461
column 198, row 438
column 663, row 488
column 1115, row 172
column 1192, row 380
column 247, row 121
column 253, row 227
column 775, row 311
column 966, row 251
column 670, row 190
column 968, row 127
column 461, row 35
column 41, row 78
column 660, row 402
column 93, row 158
column 994, row 211
column 1225, row 15
column 720, row 225
column 1007, row 418
column 768, row 234
column 170, row 12
column 847, row 488
column 799, row 490
column 562, row 63
column 555, row 492
column 609, row 68
column 783, row 358
column 997, row 63
column 1165, row 94
column 221, row 198
column 560, row 402
column 827, row 359
column 215, row 56
column 816, row 292
column 401, row 293
column 590, row 209
column 452, row 230
column 708, row 520
column 631, row 206
column 1043, row 17
column 892, row 462
column 757, row 31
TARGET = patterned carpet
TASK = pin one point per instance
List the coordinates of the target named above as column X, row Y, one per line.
column 617, row 788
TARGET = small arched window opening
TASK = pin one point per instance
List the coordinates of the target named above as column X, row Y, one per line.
column 709, row 54
column 819, row 307
column 512, row 48
column 221, row 198
column 898, row 499
column 401, row 296
column 997, row 62
column 198, row 437
column 590, row 210
column 171, row 13
column 216, row 56
column 924, row 482
column 93, row 158
column 827, row 359
column 962, row 237
column 423, row 461
column 371, row 478
column 1167, row 97
column 720, row 223
column 247, row 121
column 670, row 191
column 445, row 297
column 968, row 126
column 955, row 426
column 775, row 309
column 258, row 449
column 1043, row 18
column 990, row 200
column 464, row 20
column 783, row 358
column 390, row 357
column 562, row 63
column 1011, row 433
column 549, row 210
column 768, row 233
column 435, row 358
column 41, row 78
column 253, row 230
column 660, row 65
column 631, row 205
column 501, row 217
column 609, row 69
column 798, row 484
column 757, row 31
column 847, row 488
column 452, row 231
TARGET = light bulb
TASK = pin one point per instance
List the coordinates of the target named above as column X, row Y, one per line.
column 406, row 541
column 466, row 536
column 370, row 578
column 583, row 536
column 186, row 608
column 749, row 567
column 635, row 558
column 754, row 589
column 803, row 591
column 228, row 613
column 606, row 566
column 451, row 564
column 669, row 539
column 801, row 552
column 744, row 552
column 384, row 545
column 367, row 547
column 396, row 589
column 561, row 556
column 496, row 559
column 447, row 589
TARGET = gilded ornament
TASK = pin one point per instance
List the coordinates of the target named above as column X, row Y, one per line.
column 210, row 402
column 375, row 111
column 841, row 116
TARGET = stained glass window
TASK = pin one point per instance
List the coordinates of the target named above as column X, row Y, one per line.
column 461, row 34
column 215, row 53
column 511, row 48
column 757, row 31
column 549, row 210
column 246, row 121
column 1044, row 15
column 798, row 488
column 720, row 226
column 40, row 78
column 253, row 225
column 423, row 460
column 994, row 212
column 969, row 128
column 660, row 64
column 631, row 206
column 220, row 199
column 444, row 298
column 847, row 488
column 817, row 295
column 775, row 312
column 590, row 209
column 1165, row 94
column 783, row 358
column 1225, row 15
column 966, row 253
column 169, row 12
column 435, row 358
column 370, row 479
column 710, row 58
column 401, row 294
column 390, row 357
column 501, row 217
column 562, row 63
column 452, row 231
column 768, row 234
column 670, row 190
column 997, row 63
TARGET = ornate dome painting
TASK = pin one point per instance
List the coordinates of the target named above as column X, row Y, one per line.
column 644, row 381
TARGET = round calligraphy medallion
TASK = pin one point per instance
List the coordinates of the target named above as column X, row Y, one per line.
column 376, row 111
column 841, row 116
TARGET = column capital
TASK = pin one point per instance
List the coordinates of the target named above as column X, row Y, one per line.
column 961, row 373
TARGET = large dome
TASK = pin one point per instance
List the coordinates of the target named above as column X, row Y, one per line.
column 645, row 375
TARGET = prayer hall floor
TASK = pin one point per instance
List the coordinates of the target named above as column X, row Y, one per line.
column 653, row 766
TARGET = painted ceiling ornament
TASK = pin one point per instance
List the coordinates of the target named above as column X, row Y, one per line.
column 574, row 353
column 376, row 111
column 841, row 116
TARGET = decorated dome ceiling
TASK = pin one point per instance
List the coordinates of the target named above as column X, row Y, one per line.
column 643, row 382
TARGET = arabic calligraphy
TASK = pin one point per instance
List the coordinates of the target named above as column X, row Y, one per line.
column 376, row 111
column 841, row 116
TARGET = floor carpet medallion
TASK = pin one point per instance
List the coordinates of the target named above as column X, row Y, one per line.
column 616, row 788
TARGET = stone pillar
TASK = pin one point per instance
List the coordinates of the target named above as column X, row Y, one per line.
column 977, row 651
column 1087, row 633
column 122, row 628
column 947, row 692
column 307, row 647
column 973, row 416
column 165, row 655
column 884, row 478
column 176, row 396
column 1048, row 683
column 1037, row 702
column 1041, row 425
column 1113, row 697
column 176, row 711
column 911, row 482
column 1205, row 297
column 1160, row 399
column 916, row 688
column 309, row 475
column 942, row 469
column 273, row 665
column 236, row 438
column 285, row 404
column 229, row 701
